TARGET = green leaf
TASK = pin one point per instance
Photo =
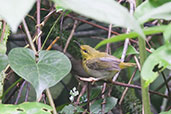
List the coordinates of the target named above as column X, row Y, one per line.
column 130, row 50
column 48, row 70
column 95, row 92
column 167, row 34
column 156, row 62
column 3, row 61
column 25, row 108
column 71, row 109
column 107, row 11
column 121, row 37
column 14, row 11
column 95, row 108
column 168, row 112
column 147, row 11
column 158, row 2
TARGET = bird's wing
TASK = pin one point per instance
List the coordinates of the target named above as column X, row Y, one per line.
column 104, row 63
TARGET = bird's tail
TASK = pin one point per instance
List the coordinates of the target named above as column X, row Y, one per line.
column 123, row 65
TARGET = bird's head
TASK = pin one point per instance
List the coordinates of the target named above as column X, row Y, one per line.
column 87, row 51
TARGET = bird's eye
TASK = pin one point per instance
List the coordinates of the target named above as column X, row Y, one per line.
column 85, row 51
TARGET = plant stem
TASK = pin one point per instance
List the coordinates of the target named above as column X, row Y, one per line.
column 29, row 37
column 38, row 24
column 51, row 101
column 145, row 95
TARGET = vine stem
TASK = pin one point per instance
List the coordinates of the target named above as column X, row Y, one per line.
column 51, row 101
column 29, row 37
column 145, row 95
column 38, row 24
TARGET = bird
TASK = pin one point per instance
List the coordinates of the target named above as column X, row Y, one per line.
column 101, row 65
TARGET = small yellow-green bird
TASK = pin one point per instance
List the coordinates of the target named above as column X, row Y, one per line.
column 100, row 64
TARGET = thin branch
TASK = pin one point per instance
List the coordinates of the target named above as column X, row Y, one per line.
column 137, row 87
column 137, row 63
column 88, row 98
column 51, row 101
column 38, row 24
column 167, row 86
column 82, row 92
column 54, row 41
column 109, row 35
column 103, row 97
column 70, row 36
column 126, row 89
column 19, row 93
column 29, row 37
column 27, row 92
column 47, row 17
column 93, row 24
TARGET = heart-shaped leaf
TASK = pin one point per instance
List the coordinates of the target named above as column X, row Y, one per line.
column 50, row 68
column 25, row 108
column 14, row 11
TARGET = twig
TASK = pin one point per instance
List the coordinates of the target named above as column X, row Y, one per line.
column 109, row 35
column 27, row 91
column 47, row 17
column 70, row 36
column 88, row 98
column 19, row 93
column 164, row 102
column 38, row 24
column 90, row 33
column 126, row 89
column 54, row 41
column 131, row 40
column 51, row 101
column 93, row 24
column 103, row 97
column 29, row 37
column 34, row 39
column 137, row 87
column 82, row 92
column 137, row 63
column 167, row 86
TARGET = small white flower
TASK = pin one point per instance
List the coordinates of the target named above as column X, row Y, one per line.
column 73, row 93
column 71, row 98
